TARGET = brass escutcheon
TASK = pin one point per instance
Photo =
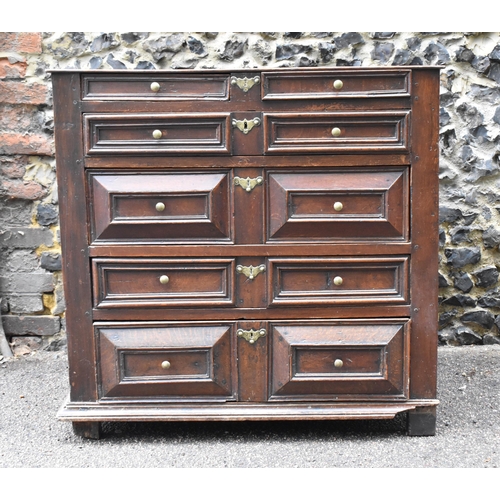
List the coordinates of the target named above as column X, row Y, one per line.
column 248, row 184
column 251, row 336
column 245, row 83
column 246, row 125
column 250, row 271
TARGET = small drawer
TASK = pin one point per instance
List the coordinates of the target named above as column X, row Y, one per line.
column 155, row 87
column 353, row 281
column 346, row 359
column 164, row 208
column 345, row 204
column 178, row 361
column 324, row 133
column 128, row 283
column 181, row 133
column 337, row 84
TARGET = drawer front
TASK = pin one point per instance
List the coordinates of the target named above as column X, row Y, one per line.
column 286, row 133
column 354, row 281
column 166, row 361
column 127, row 283
column 339, row 205
column 166, row 207
column 181, row 133
column 343, row 359
column 156, row 87
column 335, row 84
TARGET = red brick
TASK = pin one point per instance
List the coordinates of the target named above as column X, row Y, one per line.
column 27, row 42
column 12, row 70
column 22, row 93
column 20, row 118
column 22, row 190
column 13, row 167
column 30, row 144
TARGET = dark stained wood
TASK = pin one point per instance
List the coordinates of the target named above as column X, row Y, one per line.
column 288, row 133
column 132, row 361
column 194, row 206
column 74, row 237
column 320, row 85
column 373, row 204
column 360, row 205
column 373, row 360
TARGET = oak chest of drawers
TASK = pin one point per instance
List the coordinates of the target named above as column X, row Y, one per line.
column 249, row 245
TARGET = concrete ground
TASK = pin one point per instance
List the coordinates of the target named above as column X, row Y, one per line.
column 468, row 428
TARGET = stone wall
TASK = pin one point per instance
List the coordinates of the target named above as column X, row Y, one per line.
column 30, row 267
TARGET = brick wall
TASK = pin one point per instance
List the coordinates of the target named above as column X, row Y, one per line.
column 30, row 282
column 30, row 262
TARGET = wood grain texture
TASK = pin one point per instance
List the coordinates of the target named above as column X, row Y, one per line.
column 162, row 212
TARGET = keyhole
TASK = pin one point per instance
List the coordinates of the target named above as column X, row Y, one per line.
column 245, row 126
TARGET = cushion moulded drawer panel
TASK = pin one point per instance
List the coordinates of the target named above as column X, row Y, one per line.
column 342, row 205
column 346, row 359
column 171, row 207
column 166, row 361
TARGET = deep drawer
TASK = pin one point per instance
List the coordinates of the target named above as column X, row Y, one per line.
column 360, row 281
column 156, row 87
column 181, row 133
column 180, row 361
column 344, row 204
column 335, row 84
column 286, row 133
column 126, row 283
column 346, row 359
column 161, row 207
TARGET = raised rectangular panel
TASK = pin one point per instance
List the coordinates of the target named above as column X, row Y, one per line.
column 344, row 204
column 193, row 207
column 126, row 283
column 285, row 85
column 306, row 133
column 169, row 88
column 341, row 359
column 177, row 133
column 353, row 281
column 176, row 361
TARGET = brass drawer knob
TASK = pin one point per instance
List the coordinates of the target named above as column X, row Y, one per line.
column 336, row 132
column 338, row 280
column 338, row 363
column 164, row 279
column 338, row 206
column 155, row 86
column 157, row 134
column 165, row 365
column 338, row 84
column 160, row 206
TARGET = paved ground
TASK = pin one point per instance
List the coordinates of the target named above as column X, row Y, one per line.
column 468, row 431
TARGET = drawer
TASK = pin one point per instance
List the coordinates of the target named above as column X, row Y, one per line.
column 156, row 87
column 179, row 133
column 128, row 283
column 336, row 84
column 344, row 204
column 308, row 133
column 178, row 361
column 162, row 207
column 345, row 359
column 354, row 281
